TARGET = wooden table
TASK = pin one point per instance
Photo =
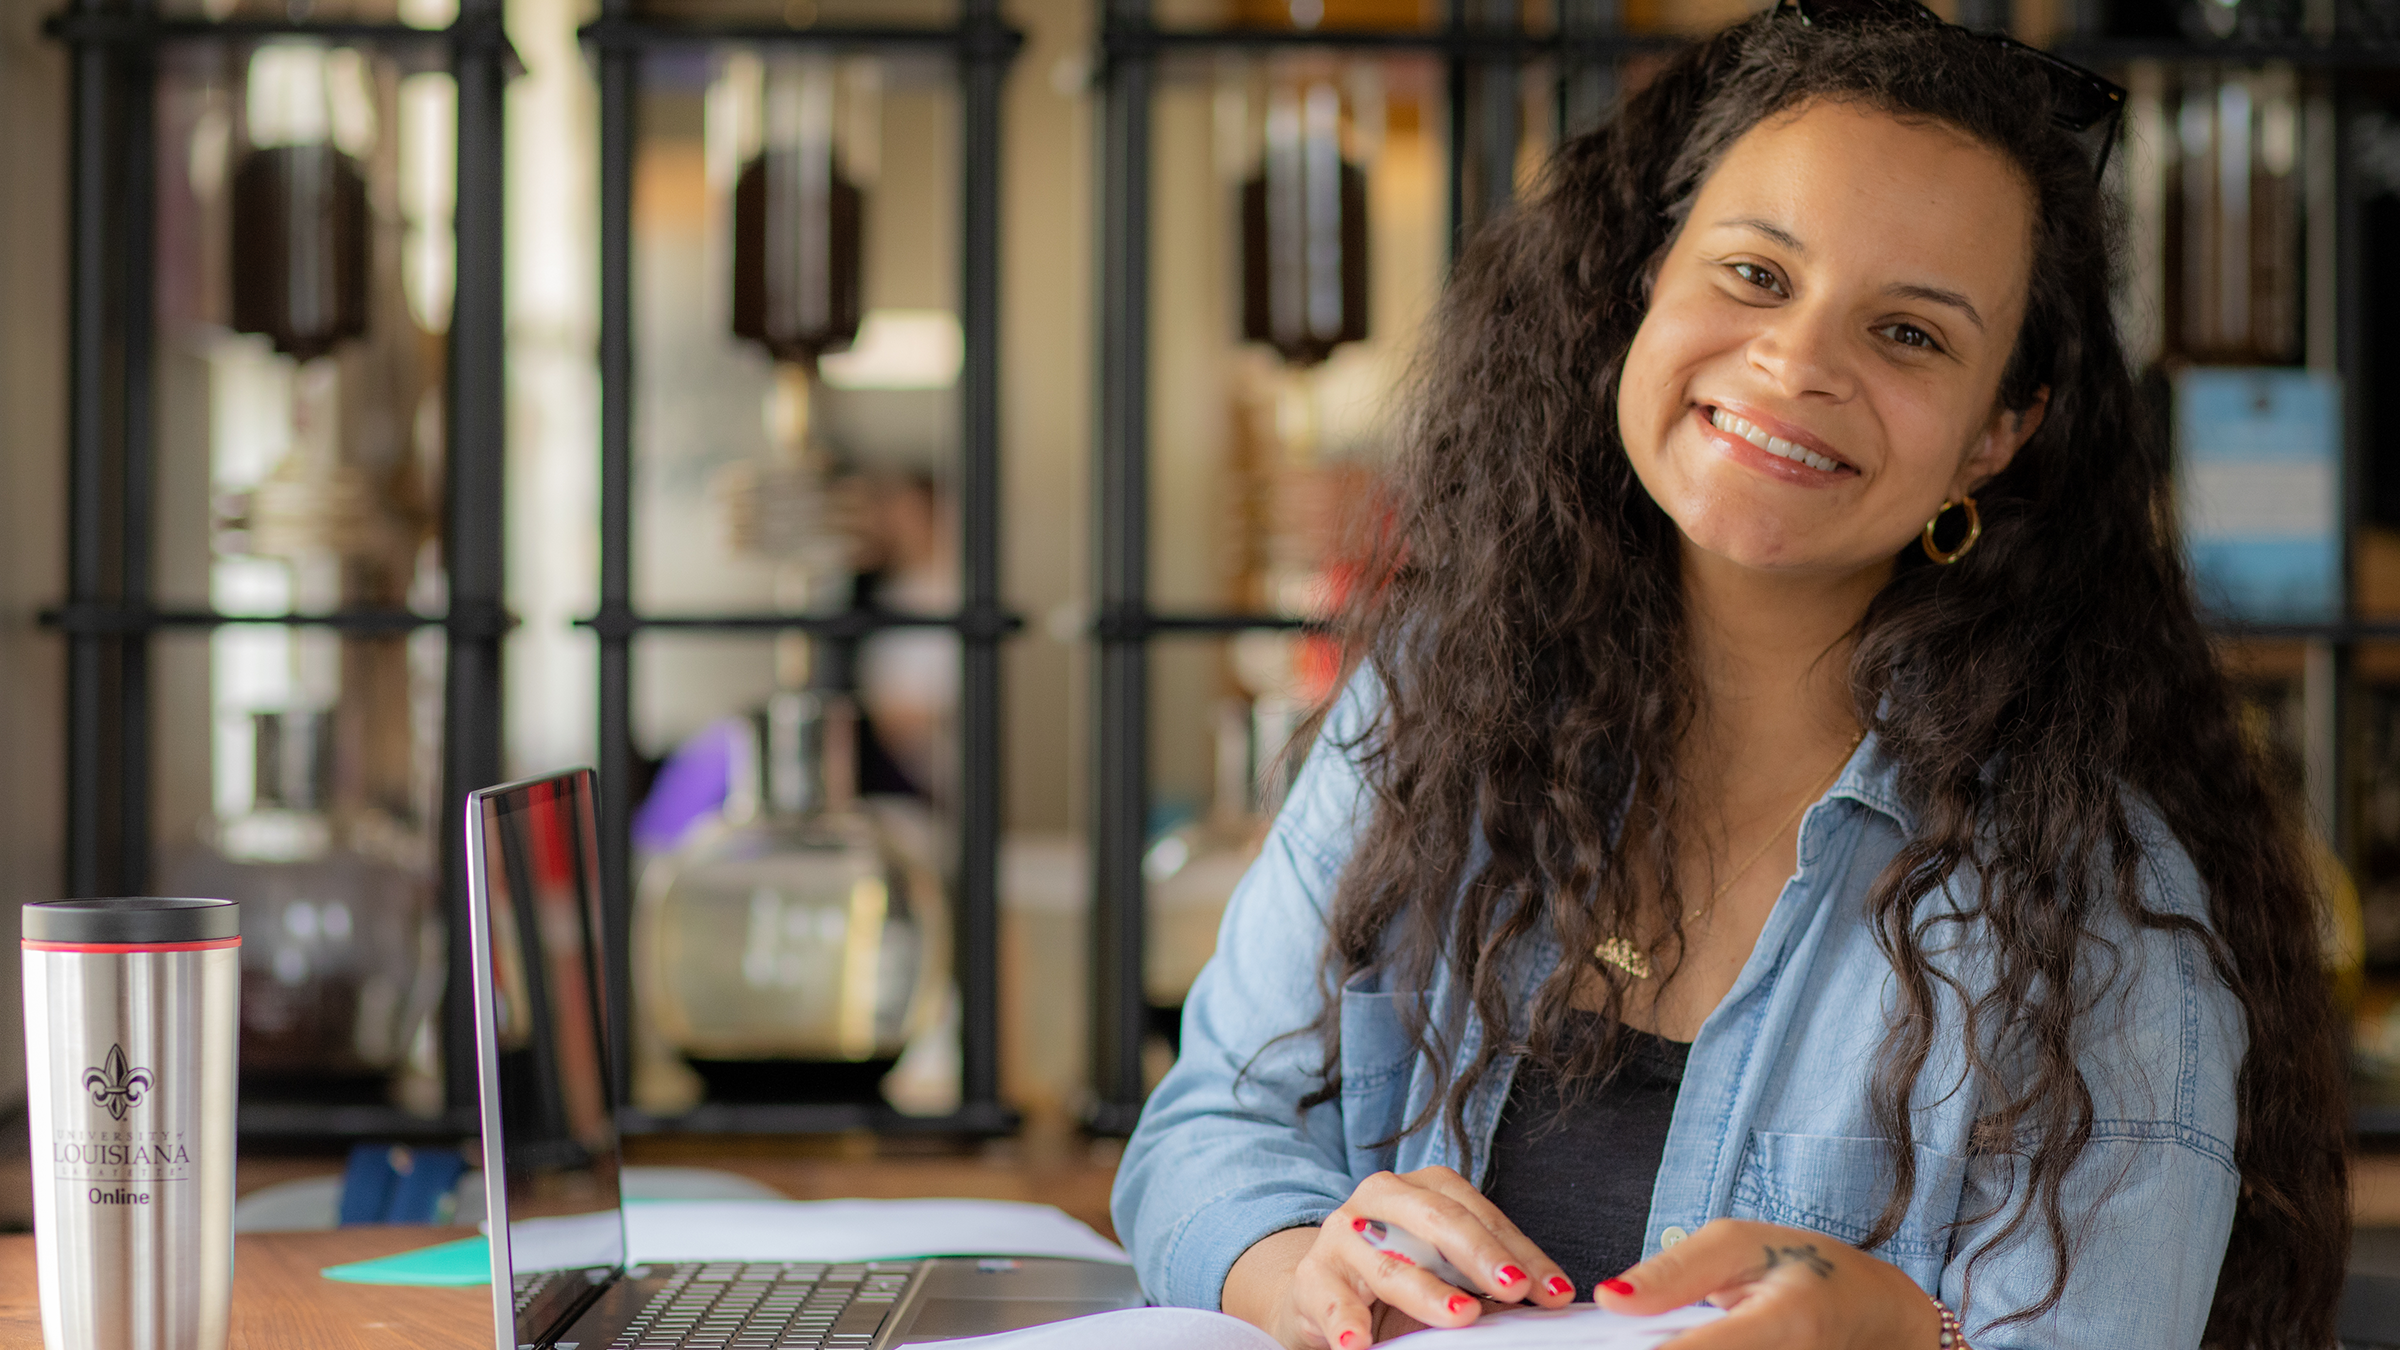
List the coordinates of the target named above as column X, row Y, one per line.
column 280, row 1300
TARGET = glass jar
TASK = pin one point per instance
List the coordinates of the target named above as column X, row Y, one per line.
column 792, row 950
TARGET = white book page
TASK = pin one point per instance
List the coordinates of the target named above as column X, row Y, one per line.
column 1149, row 1328
column 1580, row 1325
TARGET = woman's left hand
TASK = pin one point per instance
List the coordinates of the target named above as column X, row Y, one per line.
column 1785, row 1288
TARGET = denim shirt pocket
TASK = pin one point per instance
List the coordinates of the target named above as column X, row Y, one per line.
column 1837, row 1185
column 1376, row 1060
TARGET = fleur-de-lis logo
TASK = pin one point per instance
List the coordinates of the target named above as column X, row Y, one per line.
column 116, row 1084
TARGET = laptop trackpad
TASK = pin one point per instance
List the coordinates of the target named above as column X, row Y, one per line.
column 942, row 1319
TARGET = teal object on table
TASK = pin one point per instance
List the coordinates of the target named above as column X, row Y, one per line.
column 463, row 1262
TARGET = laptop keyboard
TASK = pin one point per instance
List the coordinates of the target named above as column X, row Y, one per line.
column 761, row 1306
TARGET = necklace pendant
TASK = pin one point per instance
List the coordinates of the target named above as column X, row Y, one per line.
column 1624, row 956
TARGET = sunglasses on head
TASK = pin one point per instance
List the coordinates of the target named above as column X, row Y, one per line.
column 2085, row 104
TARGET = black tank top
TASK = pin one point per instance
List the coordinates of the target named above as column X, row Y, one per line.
column 1578, row 1184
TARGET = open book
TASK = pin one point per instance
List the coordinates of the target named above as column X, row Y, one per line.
column 1581, row 1325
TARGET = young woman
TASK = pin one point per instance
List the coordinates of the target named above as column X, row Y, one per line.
column 1787, row 842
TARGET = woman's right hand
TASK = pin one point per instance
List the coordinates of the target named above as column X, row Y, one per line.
column 1324, row 1288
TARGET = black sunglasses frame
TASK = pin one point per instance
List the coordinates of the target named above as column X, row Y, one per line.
column 2083, row 100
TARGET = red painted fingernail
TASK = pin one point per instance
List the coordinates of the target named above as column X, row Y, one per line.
column 1618, row 1287
column 1459, row 1301
column 1358, row 1225
column 1558, row 1285
column 1347, row 1338
column 1510, row 1274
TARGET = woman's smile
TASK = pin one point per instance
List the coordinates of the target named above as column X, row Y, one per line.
column 1777, row 449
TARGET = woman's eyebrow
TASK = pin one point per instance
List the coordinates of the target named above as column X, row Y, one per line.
column 1770, row 229
column 1936, row 295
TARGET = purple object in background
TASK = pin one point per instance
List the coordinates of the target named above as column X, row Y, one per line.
column 691, row 787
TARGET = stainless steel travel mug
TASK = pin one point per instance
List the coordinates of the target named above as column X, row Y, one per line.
column 131, row 1013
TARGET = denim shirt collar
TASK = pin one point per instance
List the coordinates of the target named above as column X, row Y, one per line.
column 1872, row 780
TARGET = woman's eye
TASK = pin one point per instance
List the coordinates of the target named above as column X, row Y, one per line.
column 1909, row 335
column 1758, row 276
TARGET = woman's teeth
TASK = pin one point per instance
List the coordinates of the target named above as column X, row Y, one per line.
column 1773, row 445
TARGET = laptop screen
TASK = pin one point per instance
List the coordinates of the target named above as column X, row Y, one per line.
column 542, row 1045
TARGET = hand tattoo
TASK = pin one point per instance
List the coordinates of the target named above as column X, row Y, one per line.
column 1805, row 1255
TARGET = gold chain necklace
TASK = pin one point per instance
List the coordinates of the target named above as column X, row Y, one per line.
column 1620, row 952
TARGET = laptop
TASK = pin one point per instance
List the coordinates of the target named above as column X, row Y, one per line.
column 551, row 1157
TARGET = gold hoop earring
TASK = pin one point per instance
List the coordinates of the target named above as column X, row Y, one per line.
column 1974, row 532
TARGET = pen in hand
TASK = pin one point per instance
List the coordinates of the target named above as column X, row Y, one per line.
column 1393, row 1240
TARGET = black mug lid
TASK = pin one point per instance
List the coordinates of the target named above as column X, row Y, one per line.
column 132, row 919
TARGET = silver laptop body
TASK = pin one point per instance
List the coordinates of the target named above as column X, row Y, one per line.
column 551, row 1155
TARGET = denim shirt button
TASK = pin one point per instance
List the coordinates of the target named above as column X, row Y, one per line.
column 1670, row 1237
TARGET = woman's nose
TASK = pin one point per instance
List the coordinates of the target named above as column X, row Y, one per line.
column 1801, row 349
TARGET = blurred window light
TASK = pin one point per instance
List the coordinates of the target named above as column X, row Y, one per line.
column 428, row 192
column 301, row 93
column 730, row 129
column 287, row 95
column 350, row 101
column 428, row 13
column 899, row 349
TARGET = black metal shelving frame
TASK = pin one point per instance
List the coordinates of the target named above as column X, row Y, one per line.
column 1485, row 52
column 981, row 46
column 109, row 616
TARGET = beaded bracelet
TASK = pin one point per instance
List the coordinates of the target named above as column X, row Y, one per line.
column 1954, row 1337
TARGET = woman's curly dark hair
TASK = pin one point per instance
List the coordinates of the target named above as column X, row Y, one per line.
column 1530, row 642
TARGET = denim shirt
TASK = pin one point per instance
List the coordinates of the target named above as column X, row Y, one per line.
column 1773, row 1121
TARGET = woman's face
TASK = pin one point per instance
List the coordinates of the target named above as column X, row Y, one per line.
column 1820, row 364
